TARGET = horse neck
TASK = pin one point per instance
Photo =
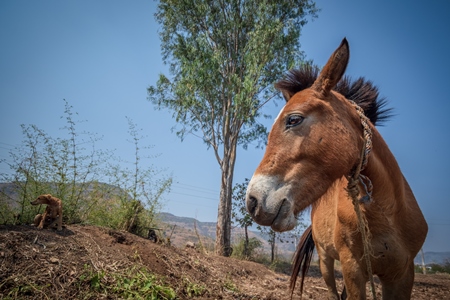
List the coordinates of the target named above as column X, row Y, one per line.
column 393, row 205
column 387, row 179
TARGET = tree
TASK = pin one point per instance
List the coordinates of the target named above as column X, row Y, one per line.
column 224, row 57
column 282, row 237
column 239, row 212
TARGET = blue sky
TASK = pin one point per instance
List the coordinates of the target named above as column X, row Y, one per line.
column 102, row 55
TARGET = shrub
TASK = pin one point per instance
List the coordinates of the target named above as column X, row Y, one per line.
column 64, row 168
column 240, row 251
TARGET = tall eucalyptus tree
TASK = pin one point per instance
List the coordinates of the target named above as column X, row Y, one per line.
column 224, row 56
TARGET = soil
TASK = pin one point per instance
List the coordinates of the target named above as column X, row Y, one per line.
column 47, row 264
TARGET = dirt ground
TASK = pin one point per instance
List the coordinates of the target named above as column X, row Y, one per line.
column 46, row 264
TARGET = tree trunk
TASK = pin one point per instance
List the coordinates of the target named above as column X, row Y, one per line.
column 223, row 229
column 246, row 252
column 424, row 268
column 272, row 246
column 272, row 256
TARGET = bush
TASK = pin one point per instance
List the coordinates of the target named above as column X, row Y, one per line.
column 240, row 252
column 64, row 168
column 280, row 264
column 434, row 268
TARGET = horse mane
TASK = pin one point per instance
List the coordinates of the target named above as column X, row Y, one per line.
column 363, row 92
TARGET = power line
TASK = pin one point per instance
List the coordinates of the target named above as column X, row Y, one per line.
column 197, row 187
column 196, row 190
column 193, row 196
column 7, row 144
column 194, row 204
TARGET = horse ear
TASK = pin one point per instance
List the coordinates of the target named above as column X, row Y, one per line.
column 333, row 70
column 287, row 95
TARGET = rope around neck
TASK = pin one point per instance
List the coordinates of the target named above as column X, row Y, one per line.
column 353, row 192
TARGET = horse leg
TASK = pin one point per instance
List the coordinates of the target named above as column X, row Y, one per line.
column 399, row 289
column 327, row 270
column 354, row 278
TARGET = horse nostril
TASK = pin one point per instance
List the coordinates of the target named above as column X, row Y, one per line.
column 252, row 202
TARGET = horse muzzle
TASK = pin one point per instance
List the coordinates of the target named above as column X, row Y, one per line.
column 269, row 204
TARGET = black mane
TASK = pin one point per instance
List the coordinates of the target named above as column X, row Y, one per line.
column 363, row 92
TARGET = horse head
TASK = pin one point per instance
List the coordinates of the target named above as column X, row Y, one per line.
column 315, row 140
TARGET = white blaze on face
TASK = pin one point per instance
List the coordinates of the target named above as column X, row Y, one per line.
column 279, row 114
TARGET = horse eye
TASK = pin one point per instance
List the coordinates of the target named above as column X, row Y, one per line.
column 293, row 120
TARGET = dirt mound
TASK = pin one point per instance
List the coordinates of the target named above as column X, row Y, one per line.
column 87, row 262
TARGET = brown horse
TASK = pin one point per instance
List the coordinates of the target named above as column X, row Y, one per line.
column 313, row 149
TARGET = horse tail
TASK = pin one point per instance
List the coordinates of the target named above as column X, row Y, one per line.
column 302, row 259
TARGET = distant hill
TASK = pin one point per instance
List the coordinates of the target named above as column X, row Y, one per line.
column 439, row 258
column 207, row 229
column 185, row 231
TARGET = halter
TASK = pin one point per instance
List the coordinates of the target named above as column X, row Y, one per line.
column 356, row 177
column 353, row 191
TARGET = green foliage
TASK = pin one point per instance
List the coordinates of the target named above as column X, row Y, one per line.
column 57, row 166
column 69, row 171
column 418, row 269
column 192, row 289
column 246, row 249
column 142, row 189
column 434, row 268
column 240, row 215
column 6, row 211
column 279, row 265
column 230, row 285
column 134, row 283
column 273, row 237
column 27, row 289
column 224, row 57
column 239, row 211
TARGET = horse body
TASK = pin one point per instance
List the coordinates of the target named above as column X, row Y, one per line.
column 313, row 147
